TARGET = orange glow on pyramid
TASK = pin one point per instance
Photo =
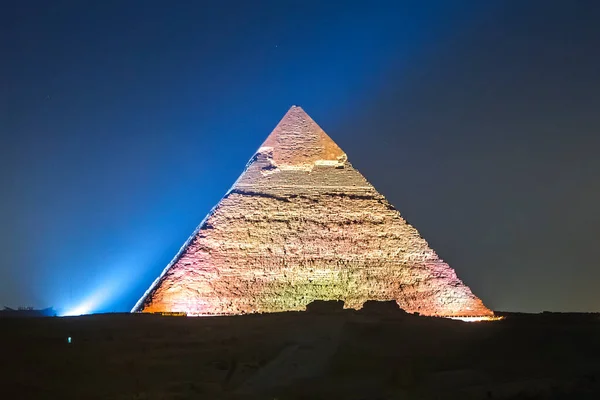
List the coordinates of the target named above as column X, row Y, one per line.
column 301, row 224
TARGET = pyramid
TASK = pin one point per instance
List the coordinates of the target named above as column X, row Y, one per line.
column 301, row 224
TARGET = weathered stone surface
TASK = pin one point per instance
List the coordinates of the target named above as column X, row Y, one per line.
column 301, row 224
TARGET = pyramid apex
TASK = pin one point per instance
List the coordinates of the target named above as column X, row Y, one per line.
column 296, row 110
column 298, row 141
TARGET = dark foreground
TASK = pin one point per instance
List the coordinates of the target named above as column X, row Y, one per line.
column 300, row 356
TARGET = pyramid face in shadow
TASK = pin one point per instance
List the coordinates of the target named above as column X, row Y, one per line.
column 301, row 224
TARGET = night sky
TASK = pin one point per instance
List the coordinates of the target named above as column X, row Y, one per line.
column 124, row 122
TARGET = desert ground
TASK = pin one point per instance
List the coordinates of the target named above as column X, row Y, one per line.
column 302, row 355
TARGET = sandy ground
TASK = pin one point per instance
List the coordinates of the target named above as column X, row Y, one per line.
column 299, row 356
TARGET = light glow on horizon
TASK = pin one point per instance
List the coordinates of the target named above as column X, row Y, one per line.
column 97, row 299
column 477, row 319
column 88, row 305
column 99, row 296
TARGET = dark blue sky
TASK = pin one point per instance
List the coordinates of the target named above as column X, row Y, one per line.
column 124, row 122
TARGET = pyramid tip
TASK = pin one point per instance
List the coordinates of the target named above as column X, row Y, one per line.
column 299, row 140
column 296, row 113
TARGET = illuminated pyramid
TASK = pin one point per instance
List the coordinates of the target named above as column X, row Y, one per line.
column 302, row 224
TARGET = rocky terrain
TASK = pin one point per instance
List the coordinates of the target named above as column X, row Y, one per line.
column 326, row 353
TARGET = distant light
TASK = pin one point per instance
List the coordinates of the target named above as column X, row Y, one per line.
column 69, row 340
column 81, row 309
column 477, row 319
column 91, row 303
